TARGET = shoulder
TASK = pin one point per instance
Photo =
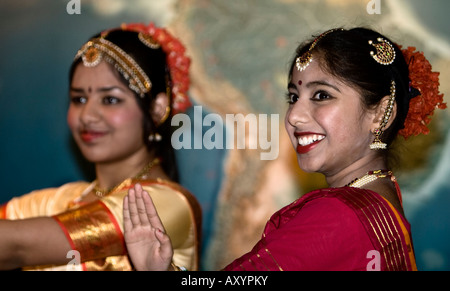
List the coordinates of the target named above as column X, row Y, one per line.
column 337, row 205
column 168, row 190
column 353, row 198
column 175, row 198
column 328, row 234
column 44, row 202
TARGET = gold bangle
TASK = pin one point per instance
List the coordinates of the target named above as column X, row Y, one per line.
column 176, row 268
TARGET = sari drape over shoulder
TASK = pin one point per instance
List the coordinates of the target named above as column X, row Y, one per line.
column 333, row 229
column 95, row 229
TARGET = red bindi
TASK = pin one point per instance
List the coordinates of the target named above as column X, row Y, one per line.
column 300, row 82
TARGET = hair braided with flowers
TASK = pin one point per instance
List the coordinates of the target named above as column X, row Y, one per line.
column 426, row 82
column 176, row 59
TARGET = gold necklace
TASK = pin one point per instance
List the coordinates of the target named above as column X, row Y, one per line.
column 370, row 177
column 104, row 192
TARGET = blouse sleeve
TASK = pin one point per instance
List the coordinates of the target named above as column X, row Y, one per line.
column 324, row 235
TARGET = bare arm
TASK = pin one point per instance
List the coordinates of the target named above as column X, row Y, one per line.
column 148, row 246
column 34, row 241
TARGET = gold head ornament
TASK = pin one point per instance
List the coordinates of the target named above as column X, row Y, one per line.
column 385, row 54
column 303, row 61
column 98, row 49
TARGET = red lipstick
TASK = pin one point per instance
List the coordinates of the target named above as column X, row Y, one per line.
column 303, row 149
column 90, row 136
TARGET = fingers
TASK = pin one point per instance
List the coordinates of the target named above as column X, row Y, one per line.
column 151, row 212
column 138, row 209
column 165, row 245
column 132, row 209
column 140, row 205
column 127, row 224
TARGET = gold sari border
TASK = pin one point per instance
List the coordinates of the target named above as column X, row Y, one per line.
column 380, row 224
column 408, row 241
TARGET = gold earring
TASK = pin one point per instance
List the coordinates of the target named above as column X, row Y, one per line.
column 165, row 116
column 155, row 137
column 377, row 144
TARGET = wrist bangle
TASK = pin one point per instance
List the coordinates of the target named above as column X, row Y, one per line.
column 176, row 268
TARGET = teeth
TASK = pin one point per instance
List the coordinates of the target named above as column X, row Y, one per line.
column 307, row 140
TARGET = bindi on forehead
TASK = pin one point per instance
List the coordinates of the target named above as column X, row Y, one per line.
column 89, row 89
column 300, row 82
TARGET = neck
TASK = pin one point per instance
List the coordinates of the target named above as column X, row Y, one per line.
column 109, row 174
column 355, row 170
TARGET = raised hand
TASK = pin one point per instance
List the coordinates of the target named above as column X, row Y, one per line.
column 148, row 245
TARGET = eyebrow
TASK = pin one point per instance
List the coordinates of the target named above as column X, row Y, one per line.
column 322, row 83
column 103, row 89
column 314, row 83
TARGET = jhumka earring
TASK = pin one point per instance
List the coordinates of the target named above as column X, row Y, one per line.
column 155, row 137
column 377, row 144
column 385, row 55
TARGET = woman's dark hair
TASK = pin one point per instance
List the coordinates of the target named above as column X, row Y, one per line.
column 153, row 63
column 345, row 54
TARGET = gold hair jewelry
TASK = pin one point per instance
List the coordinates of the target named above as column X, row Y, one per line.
column 148, row 40
column 99, row 48
column 385, row 54
column 303, row 61
column 141, row 175
column 370, row 177
column 377, row 144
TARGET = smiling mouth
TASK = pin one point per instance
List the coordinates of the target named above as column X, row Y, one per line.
column 310, row 139
column 89, row 136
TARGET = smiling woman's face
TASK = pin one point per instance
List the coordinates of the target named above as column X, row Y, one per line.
column 104, row 117
column 325, row 121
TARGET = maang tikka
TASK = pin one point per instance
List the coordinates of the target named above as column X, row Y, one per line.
column 303, row 61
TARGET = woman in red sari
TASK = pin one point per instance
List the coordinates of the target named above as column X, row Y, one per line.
column 350, row 93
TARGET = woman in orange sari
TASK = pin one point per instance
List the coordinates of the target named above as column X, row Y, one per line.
column 125, row 84
column 350, row 93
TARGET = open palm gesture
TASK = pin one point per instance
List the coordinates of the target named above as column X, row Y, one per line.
column 148, row 245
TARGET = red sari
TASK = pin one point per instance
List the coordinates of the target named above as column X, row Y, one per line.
column 333, row 229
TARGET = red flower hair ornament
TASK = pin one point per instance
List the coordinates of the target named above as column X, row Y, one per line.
column 427, row 99
column 176, row 59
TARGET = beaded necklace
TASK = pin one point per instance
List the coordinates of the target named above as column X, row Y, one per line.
column 103, row 192
column 370, row 177
column 374, row 175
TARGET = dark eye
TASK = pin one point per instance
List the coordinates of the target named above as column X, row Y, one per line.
column 321, row 95
column 111, row 100
column 291, row 98
column 78, row 100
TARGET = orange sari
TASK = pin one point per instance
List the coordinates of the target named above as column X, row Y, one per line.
column 95, row 230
